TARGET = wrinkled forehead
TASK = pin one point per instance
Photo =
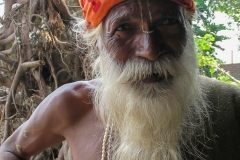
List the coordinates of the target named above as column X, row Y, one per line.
column 133, row 8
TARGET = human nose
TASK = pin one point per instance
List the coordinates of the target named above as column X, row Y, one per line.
column 148, row 46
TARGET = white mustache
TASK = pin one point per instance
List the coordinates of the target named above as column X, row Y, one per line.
column 138, row 69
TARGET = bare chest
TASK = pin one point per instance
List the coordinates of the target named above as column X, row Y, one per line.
column 85, row 138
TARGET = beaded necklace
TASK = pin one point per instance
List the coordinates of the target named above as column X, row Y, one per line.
column 107, row 138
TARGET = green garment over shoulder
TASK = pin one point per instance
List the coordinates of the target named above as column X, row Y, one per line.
column 223, row 140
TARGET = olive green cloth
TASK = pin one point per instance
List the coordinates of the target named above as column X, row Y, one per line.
column 223, row 142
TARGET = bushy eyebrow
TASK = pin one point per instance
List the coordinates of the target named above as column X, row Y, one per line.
column 119, row 18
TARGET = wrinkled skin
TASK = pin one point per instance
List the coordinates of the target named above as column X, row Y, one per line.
column 124, row 34
column 68, row 112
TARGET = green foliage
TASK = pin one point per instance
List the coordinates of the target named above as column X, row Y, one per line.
column 204, row 24
column 231, row 8
column 207, row 36
column 209, row 65
column 206, row 60
column 205, row 42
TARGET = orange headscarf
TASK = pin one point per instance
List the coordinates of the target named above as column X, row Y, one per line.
column 95, row 10
column 188, row 4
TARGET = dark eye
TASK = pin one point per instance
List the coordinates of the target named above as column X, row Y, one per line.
column 168, row 21
column 123, row 27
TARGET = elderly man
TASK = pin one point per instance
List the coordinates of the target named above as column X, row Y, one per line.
column 147, row 100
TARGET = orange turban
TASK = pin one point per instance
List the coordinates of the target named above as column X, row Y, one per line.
column 188, row 4
column 95, row 10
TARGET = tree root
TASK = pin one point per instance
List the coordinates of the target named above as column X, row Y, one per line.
column 7, row 39
column 52, row 72
column 10, row 50
column 7, row 32
column 63, row 9
column 23, row 54
column 7, row 60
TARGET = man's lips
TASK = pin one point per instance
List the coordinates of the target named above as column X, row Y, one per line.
column 155, row 78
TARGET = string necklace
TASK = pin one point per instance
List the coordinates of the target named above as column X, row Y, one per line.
column 107, row 138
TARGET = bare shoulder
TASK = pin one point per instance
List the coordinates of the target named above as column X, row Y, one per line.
column 62, row 109
column 67, row 94
column 66, row 104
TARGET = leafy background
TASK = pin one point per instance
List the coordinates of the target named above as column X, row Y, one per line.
column 207, row 36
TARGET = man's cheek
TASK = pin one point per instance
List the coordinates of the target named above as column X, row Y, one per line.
column 174, row 37
column 120, row 50
column 177, row 43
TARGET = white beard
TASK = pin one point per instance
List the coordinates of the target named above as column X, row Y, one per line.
column 149, row 118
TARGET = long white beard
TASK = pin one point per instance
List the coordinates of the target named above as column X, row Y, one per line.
column 149, row 118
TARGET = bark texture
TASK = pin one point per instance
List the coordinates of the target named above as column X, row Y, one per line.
column 38, row 54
